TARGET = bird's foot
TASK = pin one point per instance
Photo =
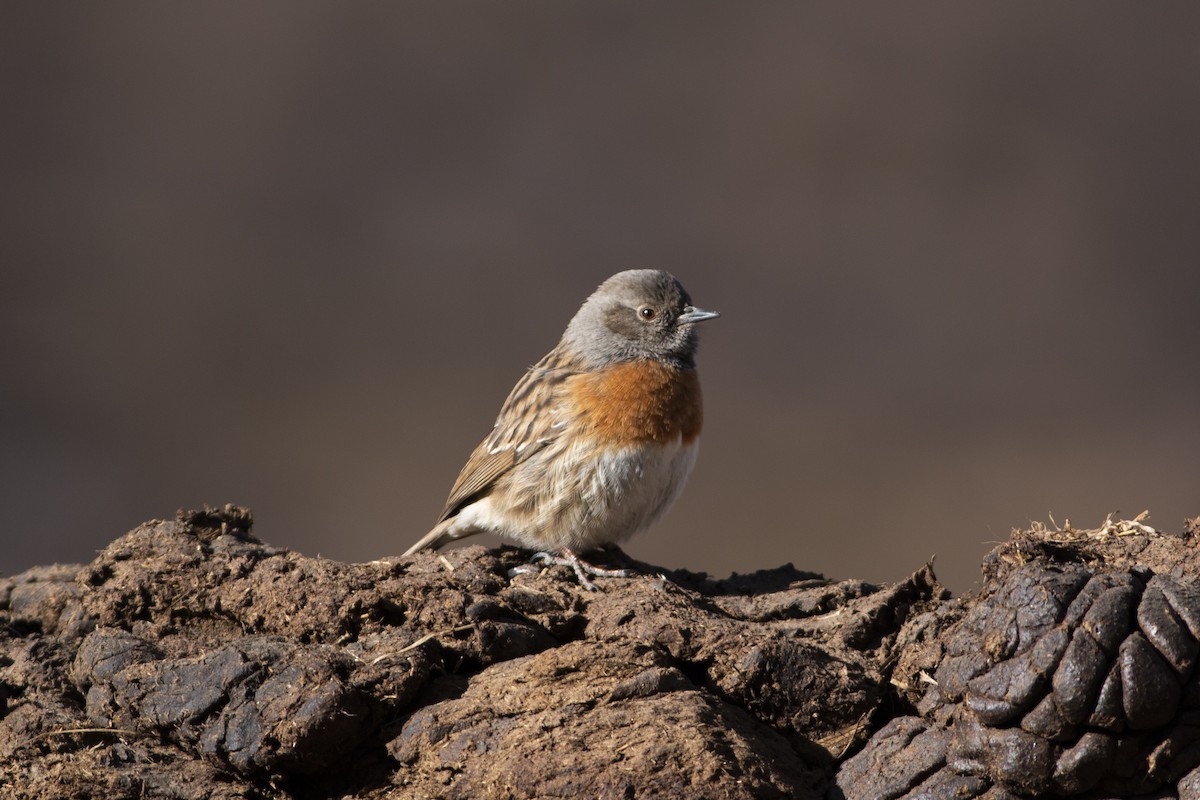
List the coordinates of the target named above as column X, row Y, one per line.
column 584, row 571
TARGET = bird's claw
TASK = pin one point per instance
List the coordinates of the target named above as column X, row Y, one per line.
column 568, row 558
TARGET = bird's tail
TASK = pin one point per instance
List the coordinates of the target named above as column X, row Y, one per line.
column 437, row 537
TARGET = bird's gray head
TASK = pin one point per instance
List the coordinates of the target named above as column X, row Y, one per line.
column 639, row 313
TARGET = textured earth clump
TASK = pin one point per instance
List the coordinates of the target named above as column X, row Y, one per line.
column 191, row 660
column 1072, row 674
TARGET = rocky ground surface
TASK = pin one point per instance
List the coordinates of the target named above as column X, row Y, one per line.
column 190, row 660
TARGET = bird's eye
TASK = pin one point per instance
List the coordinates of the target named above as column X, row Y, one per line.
column 647, row 312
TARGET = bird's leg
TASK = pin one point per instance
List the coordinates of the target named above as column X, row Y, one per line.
column 569, row 558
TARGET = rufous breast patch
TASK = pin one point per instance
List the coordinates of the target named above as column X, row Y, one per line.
column 639, row 401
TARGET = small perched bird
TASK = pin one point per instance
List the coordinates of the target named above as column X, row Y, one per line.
column 598, row 438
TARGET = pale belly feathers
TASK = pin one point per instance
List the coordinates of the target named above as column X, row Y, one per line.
column 622, row 492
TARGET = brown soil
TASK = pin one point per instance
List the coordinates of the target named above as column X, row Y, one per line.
column 190, row 660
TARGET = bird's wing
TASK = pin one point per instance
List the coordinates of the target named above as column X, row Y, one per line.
column 529, row 419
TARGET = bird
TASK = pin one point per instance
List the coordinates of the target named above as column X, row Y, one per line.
column 597, row 439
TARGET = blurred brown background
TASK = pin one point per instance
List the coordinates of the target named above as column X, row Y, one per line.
column 294, row 255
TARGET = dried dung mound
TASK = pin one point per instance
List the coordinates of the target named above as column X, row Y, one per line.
column 1072, row 674
column 191, row 660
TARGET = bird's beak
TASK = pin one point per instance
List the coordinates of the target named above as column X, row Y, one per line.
column 693, row 314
